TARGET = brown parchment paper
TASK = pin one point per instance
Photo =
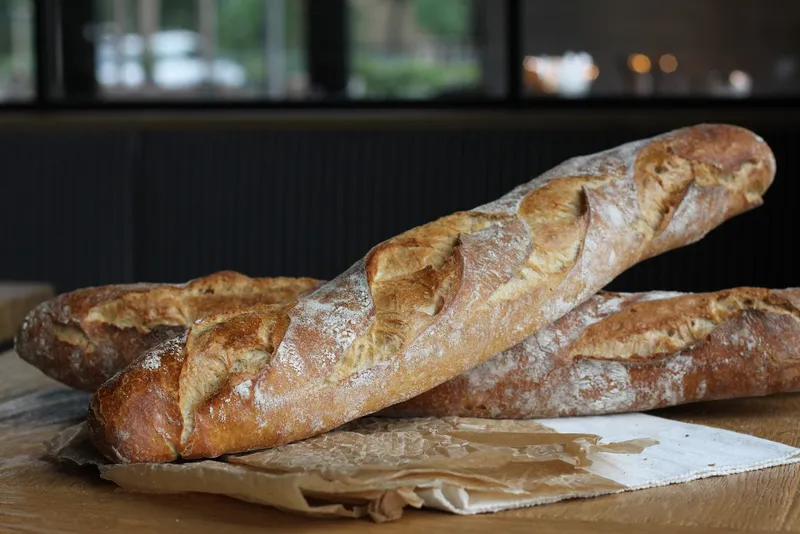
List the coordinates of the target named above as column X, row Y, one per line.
column 376, row 467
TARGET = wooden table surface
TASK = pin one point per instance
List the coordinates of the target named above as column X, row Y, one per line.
column 37, row 496
column 16, row 299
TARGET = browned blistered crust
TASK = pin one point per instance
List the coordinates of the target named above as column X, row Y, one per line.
column 634, row 352
column 84, row 337
column 429, row 304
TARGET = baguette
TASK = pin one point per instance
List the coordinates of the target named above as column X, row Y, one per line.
column 614, row 353
column 84, row 337
column 429, row 304
column 633, row 352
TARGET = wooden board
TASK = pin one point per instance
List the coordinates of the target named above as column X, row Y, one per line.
column 16, row 300
column 40, row 497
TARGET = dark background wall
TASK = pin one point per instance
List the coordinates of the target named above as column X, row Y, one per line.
column 89, row 201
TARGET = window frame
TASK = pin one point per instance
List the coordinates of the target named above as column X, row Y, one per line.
column 49, row 19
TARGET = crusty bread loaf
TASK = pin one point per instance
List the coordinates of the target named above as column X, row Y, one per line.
column 616, row 352
column 634, row 352
column 84, row 337
column 429, row 304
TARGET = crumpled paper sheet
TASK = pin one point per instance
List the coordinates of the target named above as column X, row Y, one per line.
column 377, row 467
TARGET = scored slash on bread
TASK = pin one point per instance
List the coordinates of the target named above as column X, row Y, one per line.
column 84, row 337
column 429, row 304
column 616, row 352
column 621, row 352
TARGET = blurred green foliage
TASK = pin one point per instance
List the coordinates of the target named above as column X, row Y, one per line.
column 444, row 21
column 241, row 36
column 449, row 19
column 7, row 8
column 411, row 78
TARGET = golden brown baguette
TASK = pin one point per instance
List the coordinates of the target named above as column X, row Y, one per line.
column 616, row 352
column 84, row 337
column 429, row 304
column 634, row 352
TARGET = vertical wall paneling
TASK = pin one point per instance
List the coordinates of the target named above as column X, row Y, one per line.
column 167, row 205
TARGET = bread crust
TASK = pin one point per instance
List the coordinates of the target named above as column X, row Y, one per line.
column 429, row 304
column 633, row 352
column 751, row 353
column 84, row 337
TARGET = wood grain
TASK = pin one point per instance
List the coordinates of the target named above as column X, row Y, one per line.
column 78, row 501
column 16, row 300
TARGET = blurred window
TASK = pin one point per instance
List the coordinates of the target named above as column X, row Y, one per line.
column 199, row 48
column 676, row 49
column 356, row 51
column 16, row 50
column 413, row 49
column 256, row 49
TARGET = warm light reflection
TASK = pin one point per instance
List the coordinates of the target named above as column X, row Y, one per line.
column 639, row 63
column 741, row 82
column 570, row 74
column 668, row 63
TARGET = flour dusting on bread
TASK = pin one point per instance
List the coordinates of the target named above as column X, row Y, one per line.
column 621, row 352
column 438, row 300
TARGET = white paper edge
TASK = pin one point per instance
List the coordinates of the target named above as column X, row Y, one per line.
column 457, row 500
